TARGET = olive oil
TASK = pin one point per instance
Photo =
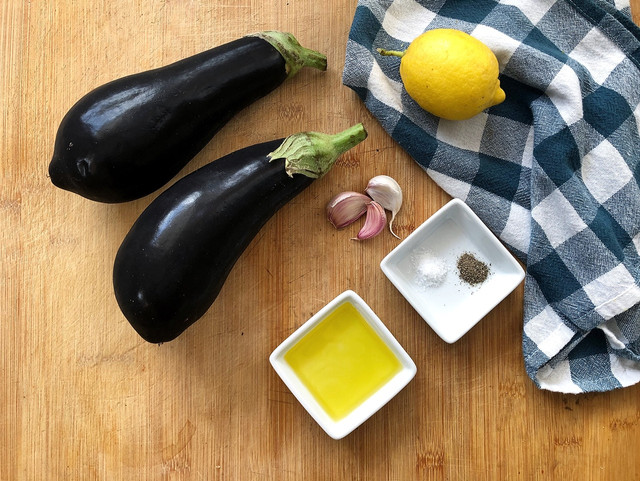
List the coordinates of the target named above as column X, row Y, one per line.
column 342, row 361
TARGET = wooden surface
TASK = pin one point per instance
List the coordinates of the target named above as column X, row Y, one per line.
column 83, row 397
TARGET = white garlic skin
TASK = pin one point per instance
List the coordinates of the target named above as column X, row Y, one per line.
column 388, row 193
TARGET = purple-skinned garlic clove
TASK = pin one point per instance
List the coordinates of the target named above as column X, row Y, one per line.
column 374, row 223
column 346, row 208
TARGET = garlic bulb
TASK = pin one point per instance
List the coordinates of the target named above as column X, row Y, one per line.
column 374, row 223
column 346, row 208
column 386, row 192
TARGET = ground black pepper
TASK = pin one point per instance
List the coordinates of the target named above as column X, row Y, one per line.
column 471, row 270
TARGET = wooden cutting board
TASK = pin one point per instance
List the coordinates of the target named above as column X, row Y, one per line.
column 83, row 397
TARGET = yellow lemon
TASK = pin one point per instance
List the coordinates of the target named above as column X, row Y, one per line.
column 450, row 74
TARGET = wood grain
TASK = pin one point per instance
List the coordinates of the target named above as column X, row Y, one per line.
column 83, row 397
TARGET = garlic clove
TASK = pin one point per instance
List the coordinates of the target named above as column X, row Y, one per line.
column 374, row 223
column 386, row 192
column 346, row 208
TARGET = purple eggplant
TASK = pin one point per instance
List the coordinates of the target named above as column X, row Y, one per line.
column 129, row 137
column 178, row 254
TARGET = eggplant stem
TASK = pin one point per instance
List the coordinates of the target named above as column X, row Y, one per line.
column 314, row 153
column 295, row 55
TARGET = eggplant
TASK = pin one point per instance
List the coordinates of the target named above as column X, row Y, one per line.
column 173, row 262
column 129, row 137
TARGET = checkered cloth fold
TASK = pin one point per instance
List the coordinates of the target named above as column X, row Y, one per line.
column 554, row 171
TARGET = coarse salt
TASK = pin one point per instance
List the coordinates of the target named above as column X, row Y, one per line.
column 431, row 271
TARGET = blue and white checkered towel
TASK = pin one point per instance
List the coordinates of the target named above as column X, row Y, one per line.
column 554, row 171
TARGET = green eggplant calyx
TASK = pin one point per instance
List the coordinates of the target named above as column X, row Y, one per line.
column 295, row 55
column 314, row 153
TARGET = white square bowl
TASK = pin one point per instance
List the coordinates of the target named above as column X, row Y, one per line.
column 453, row 307
column 338, row 429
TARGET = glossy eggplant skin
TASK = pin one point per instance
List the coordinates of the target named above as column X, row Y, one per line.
column 178, row 254
column 129, row 137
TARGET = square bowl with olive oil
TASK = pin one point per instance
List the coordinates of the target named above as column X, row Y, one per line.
column 343, row 364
